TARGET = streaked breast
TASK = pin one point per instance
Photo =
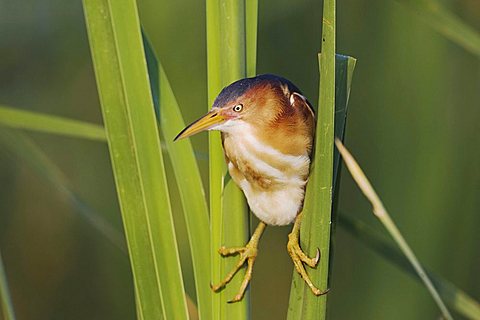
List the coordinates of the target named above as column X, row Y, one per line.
column 273, row 182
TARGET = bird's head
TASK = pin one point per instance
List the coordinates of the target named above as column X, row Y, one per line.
column 256, row 102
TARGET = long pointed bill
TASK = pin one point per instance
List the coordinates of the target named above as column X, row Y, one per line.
column 204, row 123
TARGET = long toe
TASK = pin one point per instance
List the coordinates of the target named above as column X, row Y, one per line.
column 299, row 258
column 231, row 274
column 224, row 251
column 294, row 249
column 247, row 254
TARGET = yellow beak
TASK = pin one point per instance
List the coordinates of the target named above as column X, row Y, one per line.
column 204, row 123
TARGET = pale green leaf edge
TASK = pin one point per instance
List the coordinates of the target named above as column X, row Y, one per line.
column 187, row 175
column 439, row 18
column 40, row 122
column 5, row 298
column 453, row 296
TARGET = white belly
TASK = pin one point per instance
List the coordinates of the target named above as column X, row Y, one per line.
column 273, row 182
column 274, row 207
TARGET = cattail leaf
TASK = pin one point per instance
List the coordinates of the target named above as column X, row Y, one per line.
column 133, row 139
column 188, row 178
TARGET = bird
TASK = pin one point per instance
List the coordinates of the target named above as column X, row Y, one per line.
column 267, row 129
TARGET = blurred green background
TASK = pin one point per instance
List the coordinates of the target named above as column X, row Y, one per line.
column 413, row 125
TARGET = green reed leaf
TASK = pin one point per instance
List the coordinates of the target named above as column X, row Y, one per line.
column 133, row 139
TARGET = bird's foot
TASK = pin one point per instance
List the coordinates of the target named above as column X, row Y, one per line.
column 247, row 254
column 299, row 257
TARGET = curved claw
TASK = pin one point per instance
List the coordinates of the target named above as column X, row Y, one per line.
column 298, row 262
column 248, row 254
column 317, row 257
column 216, row 288
column 235, row 299
column 318, row 292
column 294, row 250
column 299, row 257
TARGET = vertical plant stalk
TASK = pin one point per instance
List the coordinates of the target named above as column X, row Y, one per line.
column 229, row 44
column 316, row 225
column 235, row 211
column 5, row 299
column 217, row 167
column 134, row 144
column 192, row 194
column 251, row 27
column 381, row 213
column 187, row 175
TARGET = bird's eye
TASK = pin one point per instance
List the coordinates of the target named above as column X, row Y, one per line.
column 238, row 108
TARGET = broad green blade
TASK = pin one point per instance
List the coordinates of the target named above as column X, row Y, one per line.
column 133, row 139
column 6, row 306
column 24, row 149
column 316, row 225
column 454, row 297
column 229, row 44
column 21, row 119
column 188, row 179
column 446, row 23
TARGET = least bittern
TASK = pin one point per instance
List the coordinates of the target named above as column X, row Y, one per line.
column 267, row 128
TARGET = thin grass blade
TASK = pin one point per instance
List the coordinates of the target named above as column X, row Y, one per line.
column 26, row 150
column 133, row 139
column 381, row 213
column 446, row 23
column 344, row 68
column 315, row 229
column 188, row 178
column 453, row 296
column 5, row 298
column 35, row 121
column 251, row 26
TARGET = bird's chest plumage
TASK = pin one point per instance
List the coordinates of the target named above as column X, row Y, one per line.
column 273, row 182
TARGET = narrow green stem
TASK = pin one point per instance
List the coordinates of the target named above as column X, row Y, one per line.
column 40, row 122
column 217, row 166
column 446, row 23
column 5, row 299
column 227, row 62
column 381, row 213
column 453, row 296
column 316, row 224
column 316, row 227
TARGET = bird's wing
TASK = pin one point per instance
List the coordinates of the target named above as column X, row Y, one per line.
column 299, row 101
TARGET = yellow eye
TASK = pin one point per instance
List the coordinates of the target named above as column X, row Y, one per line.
column 238, row 108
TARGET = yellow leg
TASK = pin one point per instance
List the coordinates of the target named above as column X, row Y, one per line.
column 247, row 254
column 299, row 257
